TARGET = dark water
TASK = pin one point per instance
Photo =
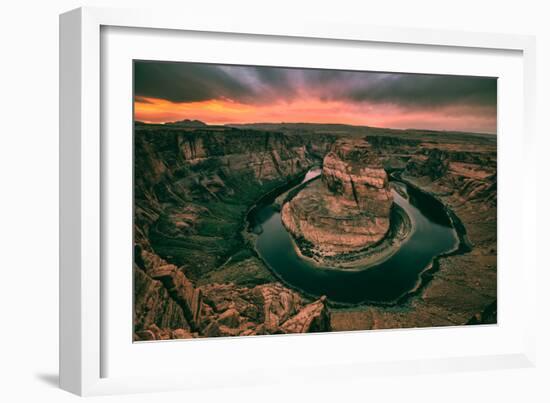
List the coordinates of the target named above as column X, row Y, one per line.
column 433, row 234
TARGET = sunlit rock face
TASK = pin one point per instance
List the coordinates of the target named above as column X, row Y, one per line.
column 354, row 172
column 348, row 209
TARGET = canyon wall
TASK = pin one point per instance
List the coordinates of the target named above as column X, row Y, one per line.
column 194, row 272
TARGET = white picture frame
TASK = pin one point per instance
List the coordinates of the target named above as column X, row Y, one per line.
column 83, row 171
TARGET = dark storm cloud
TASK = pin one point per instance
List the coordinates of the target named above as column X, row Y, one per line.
column 187, row 82
column 428, row 90
column 266, row 84
column 406, row 90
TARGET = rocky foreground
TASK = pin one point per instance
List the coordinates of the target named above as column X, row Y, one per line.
column 170, row 306
column 347, row 211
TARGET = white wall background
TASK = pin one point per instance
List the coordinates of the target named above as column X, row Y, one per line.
column 29, row 201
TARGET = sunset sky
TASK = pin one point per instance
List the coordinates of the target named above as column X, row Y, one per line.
column 220, row 94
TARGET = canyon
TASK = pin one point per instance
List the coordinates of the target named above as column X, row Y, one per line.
column 194, row 273
column 196, row 270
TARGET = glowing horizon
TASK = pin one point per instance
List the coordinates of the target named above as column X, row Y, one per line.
column 214, row 94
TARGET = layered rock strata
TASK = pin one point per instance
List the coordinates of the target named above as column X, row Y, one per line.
column 214, row 310
column 194, row 185
column 194, row 273
column 462, row 287
column 345, row 212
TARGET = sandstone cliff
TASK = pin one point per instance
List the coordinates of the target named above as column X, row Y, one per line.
column 434, row 166
column 470, row 175
column 348, row 210
column 353, row 171
column 170, row 306
column 194, row 274
column 193, row 187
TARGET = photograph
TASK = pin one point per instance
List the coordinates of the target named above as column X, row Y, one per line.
column 273, row 200
column 232, row 201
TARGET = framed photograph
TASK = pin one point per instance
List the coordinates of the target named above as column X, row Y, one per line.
column 246, row 202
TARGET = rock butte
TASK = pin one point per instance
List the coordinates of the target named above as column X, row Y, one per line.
column 348, row 210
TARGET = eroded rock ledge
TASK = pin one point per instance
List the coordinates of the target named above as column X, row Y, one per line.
column 216, row 309
column 338, row 219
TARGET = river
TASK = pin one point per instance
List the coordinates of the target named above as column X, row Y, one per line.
column 433, row 234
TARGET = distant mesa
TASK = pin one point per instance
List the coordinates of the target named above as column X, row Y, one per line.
column 346, row 215
column 187, row 123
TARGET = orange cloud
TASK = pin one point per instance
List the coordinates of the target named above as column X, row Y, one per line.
column 215, row 111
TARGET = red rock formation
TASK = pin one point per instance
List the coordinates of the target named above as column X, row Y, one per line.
column 353, row 171
column 170, row 306
column 435, row 165
column 265, row 309
column 153, row 305
column 314, row 317
column 349, row 210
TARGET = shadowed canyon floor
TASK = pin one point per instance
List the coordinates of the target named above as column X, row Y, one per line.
column 197, row 272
